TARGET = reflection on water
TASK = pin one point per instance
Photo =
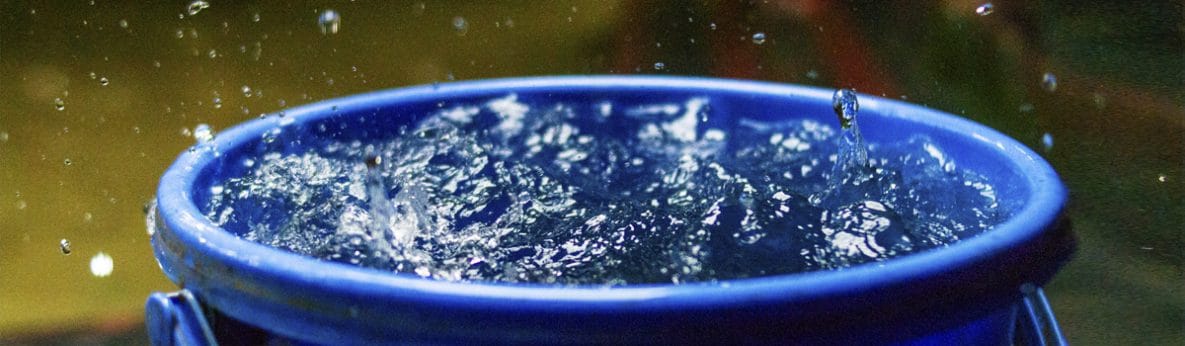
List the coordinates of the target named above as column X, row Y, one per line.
column 111, row 88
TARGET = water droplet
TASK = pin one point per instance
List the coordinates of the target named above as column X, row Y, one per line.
column 460, row 25
column 212, row 54
column 845, row 105
column 102, row 264
column 123, row 23
column 1162, row 178
column 659, row 66
column 246, row 91
column 103, row 81
column 203, row 133
column 64, row 245
column 985, row 9
column 329, row 22
column 759, row 38
column 1049, row 82
column 21, row 204
column 712, row 26
column 59, row 104
column 1047, row 141
column 67, row 162
column 3, row 137
column 217, row 102
column 196, row 7
column 255, row 17
column 88, row 217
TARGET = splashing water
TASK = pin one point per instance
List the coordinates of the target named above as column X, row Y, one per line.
column 517, row 192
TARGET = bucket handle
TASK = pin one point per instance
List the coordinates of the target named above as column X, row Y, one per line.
column 177, row 319
column 1036, row 325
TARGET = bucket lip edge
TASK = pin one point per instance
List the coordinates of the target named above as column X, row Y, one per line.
column 179, row 212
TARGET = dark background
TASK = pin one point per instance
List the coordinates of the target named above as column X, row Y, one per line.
column 1117, row 116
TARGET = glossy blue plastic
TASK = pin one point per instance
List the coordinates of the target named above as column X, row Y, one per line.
column 966, row 293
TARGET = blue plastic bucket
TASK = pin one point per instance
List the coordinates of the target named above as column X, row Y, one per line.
column 982, row 290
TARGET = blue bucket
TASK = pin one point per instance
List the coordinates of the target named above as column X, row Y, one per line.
column 981, row 290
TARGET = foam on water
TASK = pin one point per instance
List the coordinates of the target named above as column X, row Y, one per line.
column 515, row 192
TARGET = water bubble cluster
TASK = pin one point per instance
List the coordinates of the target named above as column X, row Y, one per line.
column 603, row 193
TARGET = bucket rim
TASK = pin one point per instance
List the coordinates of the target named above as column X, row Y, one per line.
column 183, row 220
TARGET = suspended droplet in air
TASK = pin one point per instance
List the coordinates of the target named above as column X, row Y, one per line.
column 196, row 6
column 103, row 81
column 102, row 265
column 329, row 22
column 1049, row 82
column 59, row 104
column 659, row 66
column 759, row 38
column 985, row 9
column 64, row 245
column 460, row 25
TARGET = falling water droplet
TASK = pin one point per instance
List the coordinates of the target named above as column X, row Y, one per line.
column 64, row 245
column 123, row 23
column 255, row 17
column 217, row 102
column 246, row 91
column 67, row 162
column 103, row 81
column 759, row 38
column 985, row 9
column 1162, row 178
column 329, row 22
column 712, row 26
column 1049, row 82
column 59, row 104
column 1047, row 141
column 659, row 66
column 3, row 137
column 460, row 25
column 196, row 6
column 102, row 265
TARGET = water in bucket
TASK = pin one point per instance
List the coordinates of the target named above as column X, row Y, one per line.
column 505, row 190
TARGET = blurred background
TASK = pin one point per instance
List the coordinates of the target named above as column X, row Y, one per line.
column 98, row 97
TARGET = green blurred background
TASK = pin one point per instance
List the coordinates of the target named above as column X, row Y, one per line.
column 84, row 172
